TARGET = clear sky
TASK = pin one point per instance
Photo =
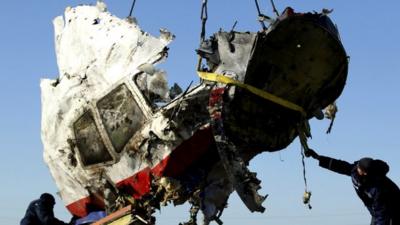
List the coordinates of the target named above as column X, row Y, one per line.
column 367, row 124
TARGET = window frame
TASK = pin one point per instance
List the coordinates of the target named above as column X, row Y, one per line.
column 144, row 107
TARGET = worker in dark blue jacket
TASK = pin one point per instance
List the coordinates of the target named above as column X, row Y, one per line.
column 40, row 212
column 380, row 195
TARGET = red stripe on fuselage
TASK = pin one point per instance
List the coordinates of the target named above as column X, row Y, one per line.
column 171, row 166
column 83, row 206
column 185, row 154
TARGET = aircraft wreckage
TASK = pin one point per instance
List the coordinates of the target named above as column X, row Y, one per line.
column 115, row 135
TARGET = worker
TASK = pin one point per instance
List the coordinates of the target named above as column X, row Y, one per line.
column 380, row 195
column 40, row 212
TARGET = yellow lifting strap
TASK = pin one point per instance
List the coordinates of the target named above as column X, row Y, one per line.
column 261, row 93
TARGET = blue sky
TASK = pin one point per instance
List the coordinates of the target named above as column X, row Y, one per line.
column 367, row 124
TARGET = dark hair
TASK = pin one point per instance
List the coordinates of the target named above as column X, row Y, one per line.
column 365, row 164
column 48, row 199
column 373, row 167
column 380, row 168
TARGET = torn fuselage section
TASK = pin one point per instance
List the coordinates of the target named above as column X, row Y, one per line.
column 115, row 134
column 112, row 131
column 299, row 58
column 94, row 112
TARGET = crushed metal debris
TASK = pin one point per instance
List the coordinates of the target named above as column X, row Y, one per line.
column 116, row 135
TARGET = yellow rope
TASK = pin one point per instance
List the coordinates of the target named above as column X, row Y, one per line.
column 261, row 93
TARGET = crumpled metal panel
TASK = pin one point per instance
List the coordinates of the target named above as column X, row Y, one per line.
column 112, row 133
column 233, row 51
column 298, row 58
column 96, row 54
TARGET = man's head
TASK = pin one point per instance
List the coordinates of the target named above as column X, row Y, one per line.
column 364, row 166
column 48, row 199
column 372, row 167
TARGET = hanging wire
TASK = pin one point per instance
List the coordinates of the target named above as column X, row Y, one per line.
column 261, row 17
column 258, row 7
column 304, row 148
column 274, row 8
column 307, row 194
column 304, row 168
column 203, row 17
column 330, row 113
column 132, row 7
column 234, row 25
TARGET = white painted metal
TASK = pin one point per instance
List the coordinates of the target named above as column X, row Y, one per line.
column 96, row 51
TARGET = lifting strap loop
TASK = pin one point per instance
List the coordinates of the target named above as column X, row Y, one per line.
column 261, row 93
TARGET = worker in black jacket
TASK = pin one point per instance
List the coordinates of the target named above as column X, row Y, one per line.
column 40, row 212
column 380, row 195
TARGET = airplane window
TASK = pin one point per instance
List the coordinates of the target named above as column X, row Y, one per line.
column 154, row 88
column 89, row 142
column 121, row 116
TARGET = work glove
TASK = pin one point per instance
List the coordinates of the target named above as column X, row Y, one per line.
column 311, row 153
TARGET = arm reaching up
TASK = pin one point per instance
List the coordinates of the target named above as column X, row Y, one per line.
column 335, row 165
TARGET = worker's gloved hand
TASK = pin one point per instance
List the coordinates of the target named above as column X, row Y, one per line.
column 311, row 153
